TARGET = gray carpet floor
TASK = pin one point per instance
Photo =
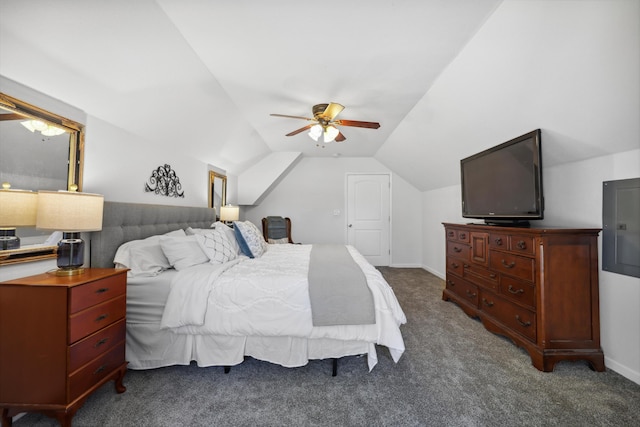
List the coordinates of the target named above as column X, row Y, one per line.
column 453, row 373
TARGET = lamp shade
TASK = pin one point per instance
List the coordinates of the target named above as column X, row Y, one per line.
column 17, row 208
column 69, row 211
column 229, row 213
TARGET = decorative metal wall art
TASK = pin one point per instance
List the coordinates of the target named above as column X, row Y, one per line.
column 164, row 182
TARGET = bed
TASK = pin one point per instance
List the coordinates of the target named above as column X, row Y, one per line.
column 216, row 311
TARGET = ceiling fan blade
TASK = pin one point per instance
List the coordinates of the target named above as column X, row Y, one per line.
column 340, row 137
column 291, row 117
column 332, row 111
column 358, row 124
column 12, row 116
column 297, row 131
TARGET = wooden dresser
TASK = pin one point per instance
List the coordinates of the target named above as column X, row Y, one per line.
column 61, row 338
column 536, row 286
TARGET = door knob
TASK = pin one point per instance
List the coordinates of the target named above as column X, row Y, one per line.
column 350, row 225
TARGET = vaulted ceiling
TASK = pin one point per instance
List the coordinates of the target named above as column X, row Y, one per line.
column 207, row 74
column 445, row 78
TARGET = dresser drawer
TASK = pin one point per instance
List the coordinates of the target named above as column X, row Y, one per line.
column 513, row 265
column 96, row 292
column 455, row 266
column 512, row 316
column 522, row 244
column 458, row 250
column 83, row 379
column 518, row 291
column 482, row 276
column 464, row 289
column 90, row 320
column 91, row 347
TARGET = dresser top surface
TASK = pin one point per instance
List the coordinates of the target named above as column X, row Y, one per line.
column 50, row 278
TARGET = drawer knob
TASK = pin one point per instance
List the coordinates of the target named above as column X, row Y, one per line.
column 498, row 241
column 102, row 290
column 457, row 249
column 522, row 245
column 487, row 303
column 103, row 341
column 101, row 317
column 471, row 294
column 492, row 275
column 525, row 324
column 455, row 265
column 100, row 369
column 463, row 236
column 510, row 265
column 451, row 283
column 515, row 291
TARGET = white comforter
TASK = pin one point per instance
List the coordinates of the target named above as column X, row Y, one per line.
column 268, row 296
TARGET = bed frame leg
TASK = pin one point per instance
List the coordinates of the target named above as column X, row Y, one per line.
column 335, row 367
column 227, row 369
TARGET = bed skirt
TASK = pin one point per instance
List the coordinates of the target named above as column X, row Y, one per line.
column 150, row 347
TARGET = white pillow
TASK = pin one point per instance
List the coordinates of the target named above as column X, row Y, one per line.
column 144, row 257
column 193, row 231
column 231, row 235
column 250, row 239
column 183, row 251
column 217, row 247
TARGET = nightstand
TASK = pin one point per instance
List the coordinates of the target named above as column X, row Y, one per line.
column 61, row 338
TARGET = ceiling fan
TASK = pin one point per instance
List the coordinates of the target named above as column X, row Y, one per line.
column 323, row 127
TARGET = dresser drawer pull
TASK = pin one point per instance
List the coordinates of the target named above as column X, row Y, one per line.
column 492, row 275
column 451, row 283
column 487, row 303
column 455, row 265
column 457, row 249
column 525, row 324
column 463, row 236
column 498, row 241
column 471, row 294
column 450, row 233
column 101, row 317
column 522, row 245
column 103, row 341
column 102, row 290
column 100, row 369
column 510, row 265
column 465, row 265
column 515, row 291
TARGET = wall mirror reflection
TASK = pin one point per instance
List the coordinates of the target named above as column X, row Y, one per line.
column 217, row 191
column 39, row 150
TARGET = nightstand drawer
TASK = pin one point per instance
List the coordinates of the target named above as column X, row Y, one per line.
column 91, row 347
column 89, row 321
column 83, row 379
column 96, row 292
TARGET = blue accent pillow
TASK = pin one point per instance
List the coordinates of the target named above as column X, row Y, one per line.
column 249, row 239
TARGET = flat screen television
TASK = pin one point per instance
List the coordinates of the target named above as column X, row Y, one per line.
column 503, row 184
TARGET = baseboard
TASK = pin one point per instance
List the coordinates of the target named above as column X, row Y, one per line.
column 622, row 370
column 434, row 272
column 405, row 266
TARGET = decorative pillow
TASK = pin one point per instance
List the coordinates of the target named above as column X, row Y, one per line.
column 231, row 235
column 250, row 239
column 217, row 247
column 279, row 241
column 183, row 252
column 144, row 257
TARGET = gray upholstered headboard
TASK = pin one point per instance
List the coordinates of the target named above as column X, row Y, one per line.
column 123, row 222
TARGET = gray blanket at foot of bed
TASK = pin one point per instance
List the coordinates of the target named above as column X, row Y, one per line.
column 338, row 288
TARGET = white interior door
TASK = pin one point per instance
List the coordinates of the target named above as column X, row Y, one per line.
column 369, row 216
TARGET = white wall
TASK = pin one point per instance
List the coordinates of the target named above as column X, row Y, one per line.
column 118, row 164
column 316, row 187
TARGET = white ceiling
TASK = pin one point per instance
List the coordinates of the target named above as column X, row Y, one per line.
column 207, row 74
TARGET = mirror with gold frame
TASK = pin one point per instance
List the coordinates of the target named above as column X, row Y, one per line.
column 39, row 150
column 217, row 191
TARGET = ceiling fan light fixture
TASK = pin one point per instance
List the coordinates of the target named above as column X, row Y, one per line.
column 42, row 127
column 330, row 133
column 315, row 132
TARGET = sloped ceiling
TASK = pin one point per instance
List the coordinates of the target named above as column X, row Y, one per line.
column 207, row 74
column 444, row 78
